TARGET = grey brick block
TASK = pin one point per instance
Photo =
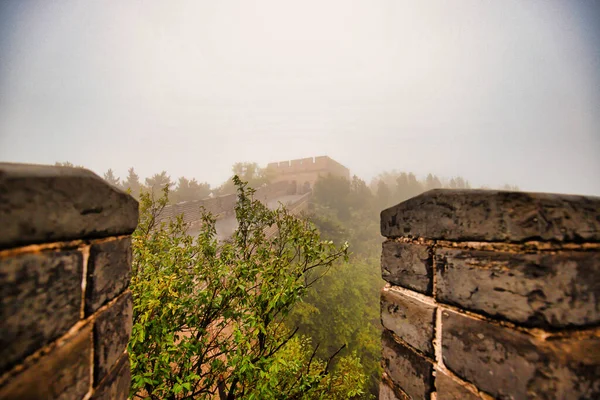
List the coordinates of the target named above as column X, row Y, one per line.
column 111, row 335
column 408, row 265
column 108, row 273
column 411, row 372
column 41, row 203
column 511, row 364
column 41, row 300
column 63, row 374
column 494, row 216
column 410, row 319
column 115, row 385
column 536, row 290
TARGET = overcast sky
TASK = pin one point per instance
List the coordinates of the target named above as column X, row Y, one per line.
column 495, row 91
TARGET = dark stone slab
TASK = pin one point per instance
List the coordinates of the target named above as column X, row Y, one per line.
column 111, row 334
column 41, row 300
column 46, row 204
column 515, row 365
column 490, row 215
column 64, row 373
column 448, row 388
column 115, row 386
column 408, row 370
column 535, row 290
column 108, row 273
column 410, row 319
column 407, row 265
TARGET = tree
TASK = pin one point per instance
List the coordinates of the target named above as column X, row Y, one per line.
column 110, row 177
column 132, row 183
column 209, row 316
column 512, row 188
column 383, row 195
column 333, row 192
column 67, row 164
column 249, row 172
column 407, row 186
column 188, row 190
column 157, row 183
column 432, row 182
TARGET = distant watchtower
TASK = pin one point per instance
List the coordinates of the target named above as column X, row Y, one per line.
column 304, row 172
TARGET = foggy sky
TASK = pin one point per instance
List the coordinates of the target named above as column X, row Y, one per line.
column 495, row 91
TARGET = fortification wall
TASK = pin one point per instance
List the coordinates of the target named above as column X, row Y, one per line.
column 65, row 259
column 222, row 206
column 306, row 171
column 491, row 295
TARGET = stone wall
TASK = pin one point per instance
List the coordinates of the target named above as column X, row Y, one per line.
column 65, row 259
column 306, row 171
column 222, row 206
column 491, row 295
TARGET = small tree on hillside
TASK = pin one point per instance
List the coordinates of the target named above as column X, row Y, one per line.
column 188, row 190
column 157, row 182
column 67, row 164
column 110, row 177
column 209, row 316
column 249, row 172
column 132, row 183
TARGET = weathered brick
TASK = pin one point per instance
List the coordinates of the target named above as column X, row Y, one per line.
column 407, row 369
column 111, row 334
column 535, row 290
column 42, row 203
column 511, row 364
column 409, row 318
column 108, row 273
column 63, row 373
column 494, row 216
column 408, row 265
column 448, row 388
column 115, row 385
column 41, row 300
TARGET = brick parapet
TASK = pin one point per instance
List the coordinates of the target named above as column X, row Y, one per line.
column 66, row 307
column 512, row 318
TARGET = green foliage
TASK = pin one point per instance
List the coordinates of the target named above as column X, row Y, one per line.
column 248, row 172
column 188, row 190
column 158, row 181
column 110, row 177
column 343, row 307
column 132, row 183
column 208, row 315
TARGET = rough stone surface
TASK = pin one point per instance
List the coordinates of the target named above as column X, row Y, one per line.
column 536, row 290
column 410, row 319
column 387, row 393
column 448, row 388
column 514, row 365
column 41, row 300
column 115, row 386
column 47, row 204
column 408, row 265
column 490, row 215
column 64, row 373
column 111, row 334
column 411, row 372
column 108, row 273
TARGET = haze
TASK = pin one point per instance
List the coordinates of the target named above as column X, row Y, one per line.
column 497, row 92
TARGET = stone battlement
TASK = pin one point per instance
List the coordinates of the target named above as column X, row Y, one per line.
column 65, row 260
column 305, row 172
column 491, row 295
